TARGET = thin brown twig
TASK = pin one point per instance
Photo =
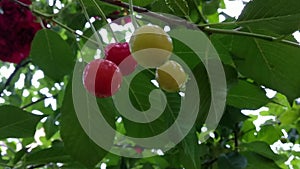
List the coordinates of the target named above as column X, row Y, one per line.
column 170, row 21
column 37, row 101
column 203, row 27
column 10, row 78
column 52, row 19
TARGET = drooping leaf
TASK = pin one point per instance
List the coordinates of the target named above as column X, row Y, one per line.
column 256, row 160
column 52, row 54
column 269, row 134
column 210, row 7
column 93, row 10
column 17, row 123
column 179, row 7
column 160, row 6
column 289, row 117
column 201, row 57
column 190, row 151
column 231, row 76
column 159, row 161
column 232, row 160
column 221, row 44
column 278, row 17
column 263, row 149
column 278, row 70
column 56, row 153
column 245, row 95
column 50, row 126
column 185, row 53
column 19, row 155
column 141, row 86
column 77, row 143
column 232, row 117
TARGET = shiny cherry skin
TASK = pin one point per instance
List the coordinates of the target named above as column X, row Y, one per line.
column 102, row 78
column 119, row 53
column 151, row 46
column 170, row 76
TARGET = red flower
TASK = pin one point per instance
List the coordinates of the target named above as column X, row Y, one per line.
column 17, row 29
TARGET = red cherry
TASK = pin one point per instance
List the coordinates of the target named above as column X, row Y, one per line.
column 119, row 53
column 102, row 78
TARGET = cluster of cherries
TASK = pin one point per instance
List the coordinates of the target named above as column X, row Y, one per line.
column 149, row 46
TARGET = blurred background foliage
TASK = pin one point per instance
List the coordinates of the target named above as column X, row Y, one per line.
column 261, row 123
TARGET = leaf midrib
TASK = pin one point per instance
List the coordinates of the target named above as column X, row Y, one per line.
column 16, row 123
column 266, row 19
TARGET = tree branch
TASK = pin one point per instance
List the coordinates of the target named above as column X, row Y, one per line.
column 170, row 21
column 126, row 5
column 209, row 162
column 39, row 100
column 249, row 34
column 203, row 27
column 37, row 166
column 52, row 19
column 236, row 140
column 18, row 67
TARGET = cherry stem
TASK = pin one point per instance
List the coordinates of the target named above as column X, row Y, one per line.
column 102, row 14
column 98, row 37
column 134, row 22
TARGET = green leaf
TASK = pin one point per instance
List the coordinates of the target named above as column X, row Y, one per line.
column 256, row 161
column 52, row 54
column 17, row 123
column 178, row 7
column 157, row 160
column 222, row 43
column 231, row 76
column 278, row 17
column 210, row 7
column 202, row 46
column 248, row 131
column 75, row 21
column 278, row 70
column 263, row 149
column 19, row 155
column 185, row 53
column 73, row 17
column 160, row 6
column 289, row 117
column 296, row 163
column 140, row 3
column 77, row 142
column 199, row 71
column 269, row 134
column 298, row 126
column 245, row 95
column 231, row 117
column 15, row 100
column 141, row 87
column 140, row 97
column 50, row 127
column 4, row 162
column 94, row 11
column 195, row 14
column 189, row 153
column 232, row 160
column 54, row 154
